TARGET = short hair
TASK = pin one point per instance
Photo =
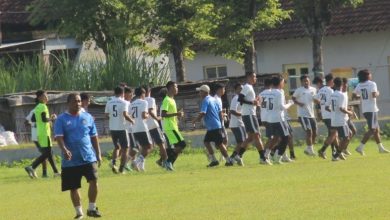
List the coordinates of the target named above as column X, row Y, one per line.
column 337, row 82
column 237, row 85
column 304, row 77
column 345, row 80
column 268, row 81
column 329, row 77
column 118, row 90
column 139, row 91
column 39, row 93
column 147, row 88
column 71, row 96
column 218, row 86
column 163, row 92
column 249, row 73
column 128, row 90
column 317, row 80
column 363, row 75
column 170, row 84
column 276, row 80
column 84, row 96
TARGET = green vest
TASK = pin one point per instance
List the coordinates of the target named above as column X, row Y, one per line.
column 43, row 128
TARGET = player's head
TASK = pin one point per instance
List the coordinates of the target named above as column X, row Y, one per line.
column 172, row 88
column 344, row 86
column 147, row 89
column 329, row 80
column 318, row 81
column 277, row 82
column 305, row 81
column 251, row 78
column 219, row 89
column 337, row 83
column 128, row 93
column 203, row 90
column 238, row 88
column 268, row 83
column 42, row 96
column 140, row 92
column 163, row 92
column 74, row 102
column 119, row 91
column 364, row 75
column 85, row 100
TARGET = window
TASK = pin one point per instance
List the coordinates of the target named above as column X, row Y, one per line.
column 294, row 72
column 212, row 72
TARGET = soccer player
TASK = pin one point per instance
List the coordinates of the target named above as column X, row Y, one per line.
column 339, row 128
column 169, row 114
column 236, row 124
column 77, row 137
column 323, row 96
column 219, row 92
column 367, row 91
column 249, row 102
column 116, row 112
column 212, row 114
column 276, row 106
column 304, row 98
column 85, row 101
column 43, row 121
column 155, row 130
column 129, row 128
column 351, row 125
column 264, row 99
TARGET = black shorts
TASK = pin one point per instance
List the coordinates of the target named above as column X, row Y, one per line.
column 268, row 129
column 279, row 129
column 133, row 143
column 120, row 139
column 308, row 124
column 143, row 138
column 239, row 134
column 342, row 131
column 251, row 123
column 180, row 141
column 328, row 124
column 224, row 133
column 372, row 119
column 351, row 125
column 157, row 136
column 71, row 176
column 215, row 136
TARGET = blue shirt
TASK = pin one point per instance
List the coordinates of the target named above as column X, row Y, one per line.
column 212, row 110
column 77, row 131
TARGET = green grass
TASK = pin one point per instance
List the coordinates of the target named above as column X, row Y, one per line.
column 310, row 188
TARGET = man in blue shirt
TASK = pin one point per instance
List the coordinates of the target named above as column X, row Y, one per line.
column 77, row 138
column 212, row 114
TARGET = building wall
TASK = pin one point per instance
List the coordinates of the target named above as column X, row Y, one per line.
column 60, row 44
column 194, row 68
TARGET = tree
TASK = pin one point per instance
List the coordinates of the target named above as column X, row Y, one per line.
column 315, row 16
column 179, row 24
column 239, row 21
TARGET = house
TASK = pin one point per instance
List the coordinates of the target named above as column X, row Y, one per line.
column 356, row 39
column 19, row 39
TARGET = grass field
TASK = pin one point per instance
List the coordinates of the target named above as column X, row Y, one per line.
column 310, row 188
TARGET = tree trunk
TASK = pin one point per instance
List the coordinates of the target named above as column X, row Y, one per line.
column 178, row 57
column 318, row 62
column 249, row 57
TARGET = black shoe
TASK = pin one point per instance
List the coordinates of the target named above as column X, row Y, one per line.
column 213, row 164
column 94, row 213
column 229, row 164
column 78, row 217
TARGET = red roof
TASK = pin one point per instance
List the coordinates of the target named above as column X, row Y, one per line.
column 373, row 15
column 14, row 11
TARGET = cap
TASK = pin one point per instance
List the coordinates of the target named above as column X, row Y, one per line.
column 204, row 88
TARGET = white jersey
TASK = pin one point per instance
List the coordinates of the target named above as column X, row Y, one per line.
column 235, row 121
column 151, row 122
column 337, row 101
column 34, row 136
column 250, row 96
column 129, row 126
column 138, row 107
column 365, row 91
column 346, row 104
column 264, row 95
column 275, row 106
column 305, row 96
column 115, row 108
column 324, row 95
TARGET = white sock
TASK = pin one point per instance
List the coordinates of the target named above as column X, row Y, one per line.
column 212, row 157
column 361, row 146
column 312, row 148
column 92, row 206
column 267, row 152
column 79, row 210
column 380, row 146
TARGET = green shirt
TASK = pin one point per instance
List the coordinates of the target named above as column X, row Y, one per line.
column 43, row 128
column 169, row 105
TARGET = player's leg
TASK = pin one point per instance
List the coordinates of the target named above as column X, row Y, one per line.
column 124, row 149
column 328, row 141
column 71, row 180
column 115, row 151
column 90, row 173
column 44, row 163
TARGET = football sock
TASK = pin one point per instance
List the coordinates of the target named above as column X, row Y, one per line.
column 380, row 146
column 212, row 157
column 262, row 154
column 241, row 152
column 325, row 146
column 92, row 206
column 113, row 161
column 79, row 210
column 292, row 154
column 233, row 154
column 44, row 172
column 361, row 146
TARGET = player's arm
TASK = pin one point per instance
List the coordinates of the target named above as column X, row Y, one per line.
column 165, row 114
column 154, row 116
column 199, row 117
column 127, row 117
column 375, row 93
column 46, row 119
column 96, row 146
column 233, row 112
column 145, row 115
column 61, row 145
column 241, row 99
column 297, row 102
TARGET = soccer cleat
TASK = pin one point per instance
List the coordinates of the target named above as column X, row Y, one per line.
column 31, row 172
column 277, row 159
column 265, row 162
column 286, row 159
column 347, row 153
column 78, row 217
column 213, row 163
column 383, row 151
column 229, row 163
column 141, row 166
column 239, row 160
column 134, row 165
column 114, row 168
column 321, row 154
column 94, row 213
column 335, row 159
column 309, row 153
column 169, row 166
column 360, row 151
column 342, row 156
column 128, row 167
column 57, row 175
column 293, row 157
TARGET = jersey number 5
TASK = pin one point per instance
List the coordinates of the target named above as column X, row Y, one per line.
column 115, row 111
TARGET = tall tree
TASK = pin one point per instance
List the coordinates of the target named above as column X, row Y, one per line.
column 239, row 21
column 316, row 15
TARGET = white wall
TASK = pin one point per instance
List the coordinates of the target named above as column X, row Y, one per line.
column 60, row 44
column 194, row 68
